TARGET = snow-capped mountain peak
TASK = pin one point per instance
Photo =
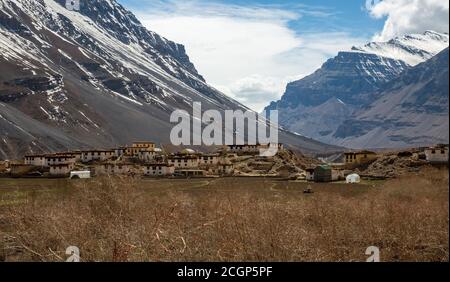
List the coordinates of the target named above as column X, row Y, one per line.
column 412, row 49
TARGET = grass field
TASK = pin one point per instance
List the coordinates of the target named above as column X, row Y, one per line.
column 224, row 219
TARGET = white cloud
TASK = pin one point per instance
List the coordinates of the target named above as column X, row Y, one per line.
column 409, row 16
column 249, row 53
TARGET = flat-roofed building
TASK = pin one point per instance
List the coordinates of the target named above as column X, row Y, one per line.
column 184, row 161
column 252, row 149
column 61, row 169
column 360, row 157
column 144, row 145
column 156, row 170
column 97, row 155
column 209, row 159
column 437, row 154
column 36, row 160
column 191, row 172
column 56, row 159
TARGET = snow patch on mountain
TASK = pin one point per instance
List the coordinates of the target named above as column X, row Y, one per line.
column 412, row 48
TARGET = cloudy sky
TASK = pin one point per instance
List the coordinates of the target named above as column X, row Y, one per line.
column 250, row 49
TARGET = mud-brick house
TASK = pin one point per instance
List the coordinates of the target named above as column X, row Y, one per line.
column 36, row 160
column 138, row 147
column 191, row 172
column 244, row 149
column 437, row 154
column 97, row 155
column 184, row 161
column 156, row 170
column 360, row 157
column 61, row 170
column 57, row 159
column 144, row 145
column 337, row 174
column 78, row 155
column 209, row 159
column 116, row 168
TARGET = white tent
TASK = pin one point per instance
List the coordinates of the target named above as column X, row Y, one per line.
column 353, row 178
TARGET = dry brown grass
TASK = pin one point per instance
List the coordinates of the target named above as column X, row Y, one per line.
column 116, row 220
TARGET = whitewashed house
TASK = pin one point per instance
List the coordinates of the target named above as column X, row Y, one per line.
column 58, row 159
column 61, row 169
column 97, row 155
column 184, row 161
column 437, row 154
column 209, row 159
column 156, row 170
column 36, row 160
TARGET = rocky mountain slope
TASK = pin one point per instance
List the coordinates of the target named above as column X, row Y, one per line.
column 317, row 105
column 94, row 78
column 411, row 110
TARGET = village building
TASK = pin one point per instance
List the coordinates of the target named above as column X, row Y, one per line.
column 57, row 159
column 191, row 172
column 438, row 154
column 97, row 155
column 119, row 152
column 78, row 155
column 158, row 170
column 36, row 160
column 244, row 149
column 138, row 147
column 309, row 174
column 251, row 149
column 359, row 157
column 209, row 159
column 61, row 169
column 116, row 168
column 337, row 174
column 145, row 145
column 183, row 161
column 147, row 156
